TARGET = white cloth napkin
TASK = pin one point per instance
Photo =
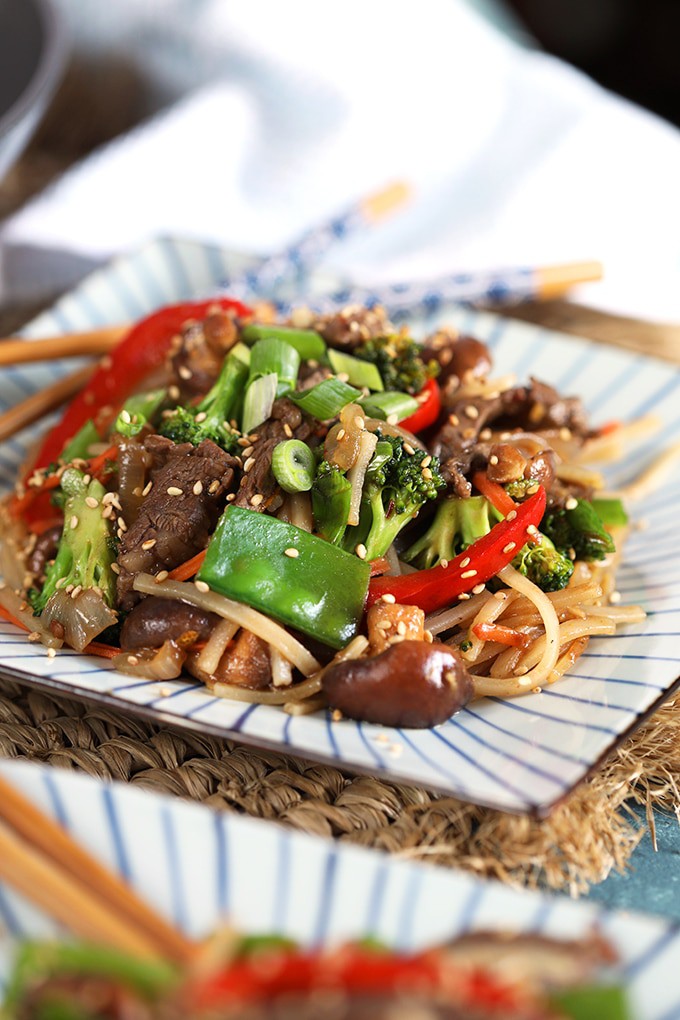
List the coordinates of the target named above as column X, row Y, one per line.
column 515, row 158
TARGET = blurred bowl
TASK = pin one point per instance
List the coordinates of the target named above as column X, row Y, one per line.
column 32, row 53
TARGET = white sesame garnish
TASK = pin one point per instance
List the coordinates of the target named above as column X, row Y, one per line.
column 571, row 503
column 51, row 653
column 213, row 487
column 471, row 411
column 184, row 372
column 34, row 636
column 465, row 562
column 463, row 596
column 287, row 429
column 231, row 497
column 485, row 434
column 201, row 416
column 428, row 636
column 444, row 563
column 198, row 488
column 565, row 434
column 248, row 452
column 76, row 591
column 256, row 499
column 202, row 586
column 383, row 625
column 615, row 597
column 392, row 419
column 478, row 589
column 511, row 516
column 532, row 529
column 401, row 627
column 133, row 660
column 426, row 473
column 493, row 459
column 426, row 461
column 73, row 522
column 409, row 449
column 389, row 598
column 361, row 551
column 359, row 422
column 292, row 552
column 125, row 416
column 509, row 547
column 469, row 573
column 115, row 568
column 91, row 502
column 121, row 524
column 248, row 464
column 162, row 575
column 149, row 544
column 174, row 490
column 341, row 435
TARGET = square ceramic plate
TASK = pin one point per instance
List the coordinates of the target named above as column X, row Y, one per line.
column 264, row 878
column 518, row 755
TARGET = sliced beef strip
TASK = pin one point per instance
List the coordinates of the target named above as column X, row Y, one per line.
column 353, row 326
column 156, row 620
column 530, row 408
column 179, row 525
column 286, row 422
column 198, row 351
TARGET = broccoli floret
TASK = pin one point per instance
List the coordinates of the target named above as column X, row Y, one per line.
column 331, row 493
column 457, row 524
column 543, row 564
column 398, row 359
column 396, row 486
column 86, row 548
column 579, row 529
column 210, row 419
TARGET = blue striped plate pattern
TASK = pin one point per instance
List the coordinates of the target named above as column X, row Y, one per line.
column 519, row 755
column 264, row 878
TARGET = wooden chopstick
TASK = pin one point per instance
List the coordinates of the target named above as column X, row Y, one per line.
column 44, row 863
column 42, row 402
column 15, row 351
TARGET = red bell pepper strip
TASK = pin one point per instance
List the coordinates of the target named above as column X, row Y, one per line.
column 429, row 409
column 139, row 353
column 494, row 492
column 437, row 587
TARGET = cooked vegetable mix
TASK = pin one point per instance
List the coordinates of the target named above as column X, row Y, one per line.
column 286, row 477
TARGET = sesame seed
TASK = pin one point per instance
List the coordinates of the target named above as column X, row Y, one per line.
column 213, row 487
column 493, row 459
column 336, row 715
column 383, row 625
column 125, row 416
column 532, row 529
column 426, row 461
column 342, row 377
column 401, row 627
column 471, row 411
column 511, row 516
column 565, row 434
column 74, row 522
column 87, row 479
column 76, row 591
column 396, row 639
column 202, row 586
column 243, row 441
column 133, row 660
column 292, row 552
column 61, row 582
column 287, row 429
column 198, row 488
column 51, row 653
column 361, row 551
column 392, row 419
column 248, row 452
column 428, row 636
column 256, row 499
column 389, row 598
column 121, row 524
column 248, row 464
column 478, row 589
column 201, row 416
column 444, row 563
column 465, row 562
column 454, row 419
column 359, row 422
column 91, row 502
column 162, row 575
column 485, row 434
column 426, row 473
column 174, row 490
column 109, row 497
column 615, row 597
column 149, row 544
column 409, row 449
column 173, row 392
column 184, row 372
column 115, row 568
column 509, row 547
column 469, row 573
column 231, row 497
column 107, row 512
column 463, row 596
column 571, row 503
column 34, row 636
column 341, row 435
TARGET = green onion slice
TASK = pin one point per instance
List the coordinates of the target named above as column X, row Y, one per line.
column 306, row 342
column 275, row 356
column 241, row 352
column 326, row 399
column 293, row 465
column 358, row 372
column 259, row 400
column 385, row 405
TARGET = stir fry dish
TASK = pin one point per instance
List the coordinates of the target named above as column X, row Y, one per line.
column 321, row 512
column 482, row 976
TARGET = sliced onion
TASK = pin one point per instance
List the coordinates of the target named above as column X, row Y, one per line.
column 164, row 663
column 83, row 618
column 17, row 607
column 357, row 473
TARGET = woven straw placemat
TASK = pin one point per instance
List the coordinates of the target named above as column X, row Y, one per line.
column 591, row 833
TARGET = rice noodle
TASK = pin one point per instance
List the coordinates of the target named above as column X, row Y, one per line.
column 438, row 622
column 580, row 476
column 282, row 671
column 307, row 707
column 546, row 610
column 489, row 612
column 244, row 616
column 568, row 631
column 357, row 473
column 618, row 614
column 268, row 697
column 377, row 424
column 651, row 477
column 209, row 659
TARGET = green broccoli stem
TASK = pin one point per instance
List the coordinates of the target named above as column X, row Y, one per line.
column 375, row 530
column 457, row 524
column 220, row 402
column 331, row 493
column 86, row 548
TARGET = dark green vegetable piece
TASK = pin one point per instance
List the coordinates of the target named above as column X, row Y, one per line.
column 543, row 564
column 398, row 359
column 396, row 486
column 592, row 1002
column 80, row 445
column 579, row 529
column 306, row 342
column 86, row 550
column 320, row 592
column 325, row 400
column 210, row 419
column 331, row 497
column 137, row 411
column 384, row 405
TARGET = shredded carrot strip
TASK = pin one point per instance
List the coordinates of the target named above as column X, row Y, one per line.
column 503, row 635
column 97, row 463
column 608, row 428
column 6, row 615
column 102, row 650
column 495, row 493
column 186, row 570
